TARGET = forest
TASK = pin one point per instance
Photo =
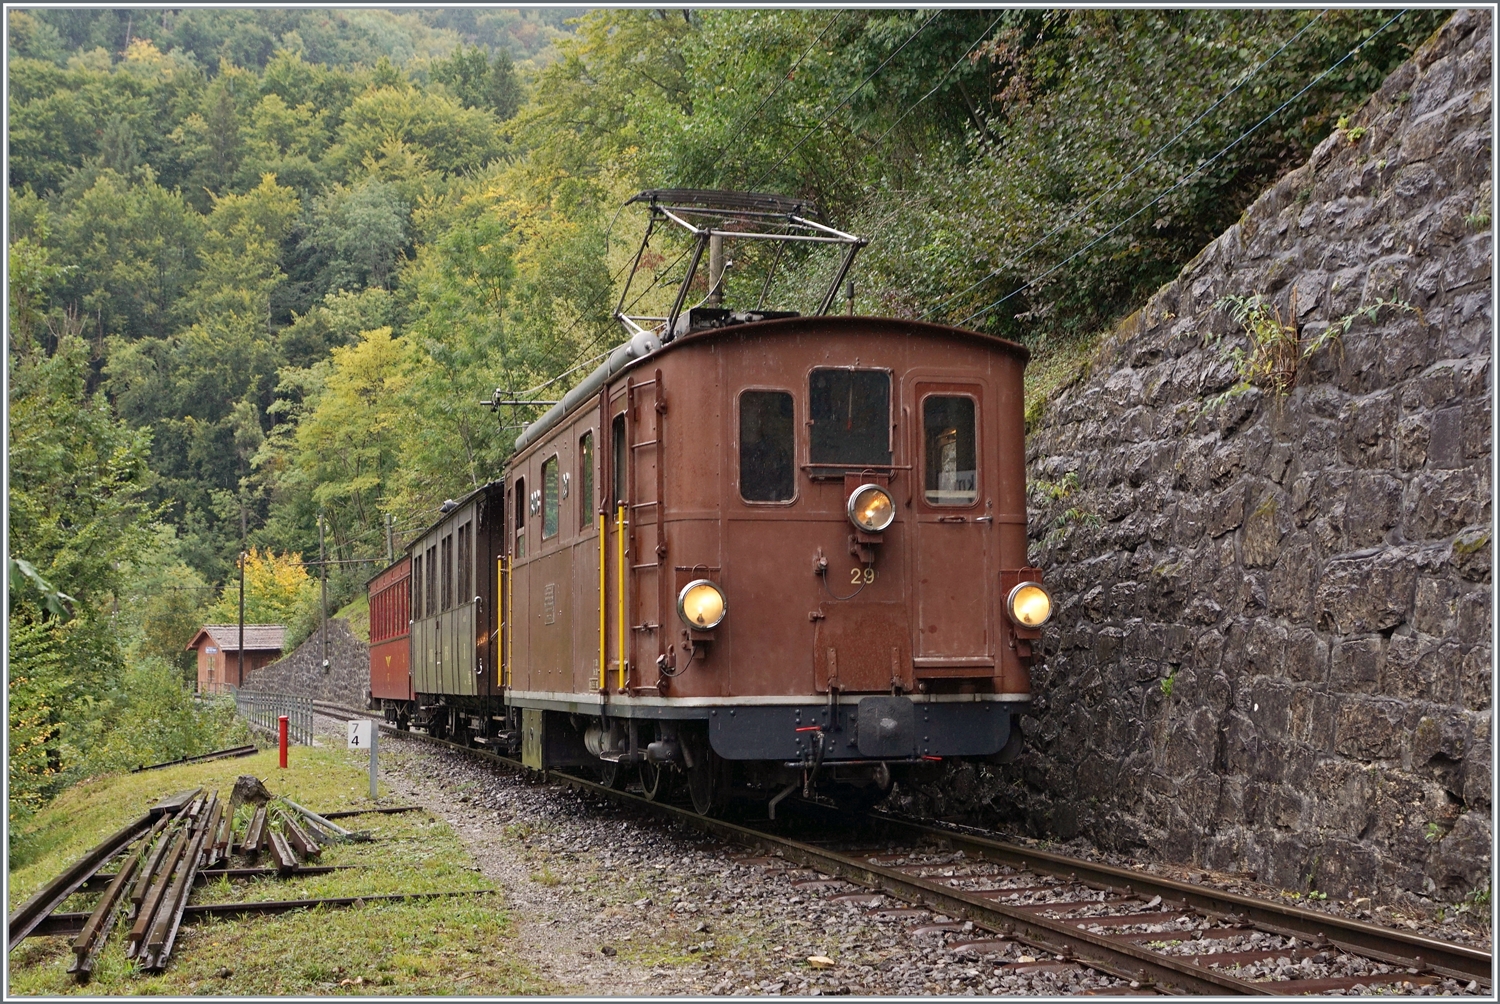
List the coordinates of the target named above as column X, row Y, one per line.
column 266, row 265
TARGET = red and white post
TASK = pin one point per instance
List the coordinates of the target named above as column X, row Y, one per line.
column 281, row 733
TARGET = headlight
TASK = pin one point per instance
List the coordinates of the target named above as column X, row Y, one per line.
column 871, row 508
column 1029, row 605
column 701, row 605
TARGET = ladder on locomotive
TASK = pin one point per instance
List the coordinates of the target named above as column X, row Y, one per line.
column 647, row 604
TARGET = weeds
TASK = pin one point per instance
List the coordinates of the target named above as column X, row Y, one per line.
column 1055, row 491
column 1276, row 349
column 1070, row 517
column 1273, row 355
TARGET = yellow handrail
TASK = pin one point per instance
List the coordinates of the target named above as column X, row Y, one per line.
column 620, row 534
column 510, row 622
column 603, row 625
column 500, row 622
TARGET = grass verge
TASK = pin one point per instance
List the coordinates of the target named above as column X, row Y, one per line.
column 453, row 945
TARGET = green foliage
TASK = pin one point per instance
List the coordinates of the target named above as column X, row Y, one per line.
column 35, row 685
column 162, row 720
column 1275, row 344
column 481, row 81
column 76, row 475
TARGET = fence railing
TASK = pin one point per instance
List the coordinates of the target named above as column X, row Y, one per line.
column 264, row 709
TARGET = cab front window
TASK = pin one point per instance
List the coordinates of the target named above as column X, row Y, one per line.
column 851, row 419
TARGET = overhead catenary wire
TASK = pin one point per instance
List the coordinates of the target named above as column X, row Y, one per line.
column 785, row 78
column 1140, row 166
column 1190, row 175
column 941, row 80
column 847, row 98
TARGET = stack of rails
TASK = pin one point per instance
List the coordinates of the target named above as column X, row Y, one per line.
column 184, row 839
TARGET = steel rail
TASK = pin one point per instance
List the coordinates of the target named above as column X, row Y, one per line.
column 36, row 909
column 1062, row 937
column 71, row 924
column 1410, row 950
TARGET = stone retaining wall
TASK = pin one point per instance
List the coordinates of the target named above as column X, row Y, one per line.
column 1273, row 644
column 347, row 682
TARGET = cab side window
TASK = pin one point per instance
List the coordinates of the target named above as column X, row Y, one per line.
column 767, row 461
column 586, row 481
column 520, row 517
column 617, row 433
column 550, row 498
column 952, row 474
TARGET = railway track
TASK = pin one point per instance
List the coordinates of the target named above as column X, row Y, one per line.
column 1047, row 912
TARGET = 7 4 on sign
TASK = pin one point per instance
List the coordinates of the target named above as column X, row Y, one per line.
column 362, row 735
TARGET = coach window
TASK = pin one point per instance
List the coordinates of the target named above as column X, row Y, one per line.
column 520, row 517
column 618, row 434
column 767, row 461
column 948, row 432
column 432, row 574
column 851, row 419
column 448, row 572
column 465, row 562
column 549, row 498
column 416, row 584
column 586, row 480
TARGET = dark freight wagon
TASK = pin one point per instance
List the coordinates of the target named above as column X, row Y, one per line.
column 752, row 550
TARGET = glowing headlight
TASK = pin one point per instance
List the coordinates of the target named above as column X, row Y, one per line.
column 701, row 605
column 871, row 508
column 1029, row 605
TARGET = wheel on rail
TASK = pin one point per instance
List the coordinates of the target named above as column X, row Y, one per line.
column 708, row 779
column 656, row 781
column 612, row 775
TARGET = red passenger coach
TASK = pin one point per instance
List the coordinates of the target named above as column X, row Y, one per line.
column 390, row 633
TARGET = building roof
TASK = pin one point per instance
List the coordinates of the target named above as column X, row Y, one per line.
column 258, row 637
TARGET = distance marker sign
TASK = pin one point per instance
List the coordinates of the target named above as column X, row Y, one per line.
column 360, row 730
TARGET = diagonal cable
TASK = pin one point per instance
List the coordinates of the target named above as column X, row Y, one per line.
column 847, row 98
column 779, row 84
column 982, row 36
column 1018, row 256
column 1190, row 175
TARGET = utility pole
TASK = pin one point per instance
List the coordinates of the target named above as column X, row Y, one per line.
column 240, row 677
column 390, row 539
column 323, row 574
column 715, row 296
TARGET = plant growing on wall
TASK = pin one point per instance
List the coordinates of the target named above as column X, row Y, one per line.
column 1275, row 345
column 1276, row 348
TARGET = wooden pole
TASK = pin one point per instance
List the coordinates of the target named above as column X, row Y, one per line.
column 323, row 575
column 240, row 676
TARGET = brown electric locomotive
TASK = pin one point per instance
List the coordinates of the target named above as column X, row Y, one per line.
column 753, row 551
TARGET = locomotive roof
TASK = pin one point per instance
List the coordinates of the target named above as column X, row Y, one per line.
column 646, row 345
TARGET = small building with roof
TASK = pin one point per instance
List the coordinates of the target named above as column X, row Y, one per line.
column 218, row 648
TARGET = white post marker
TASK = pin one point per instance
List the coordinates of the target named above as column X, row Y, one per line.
column 362, row 735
